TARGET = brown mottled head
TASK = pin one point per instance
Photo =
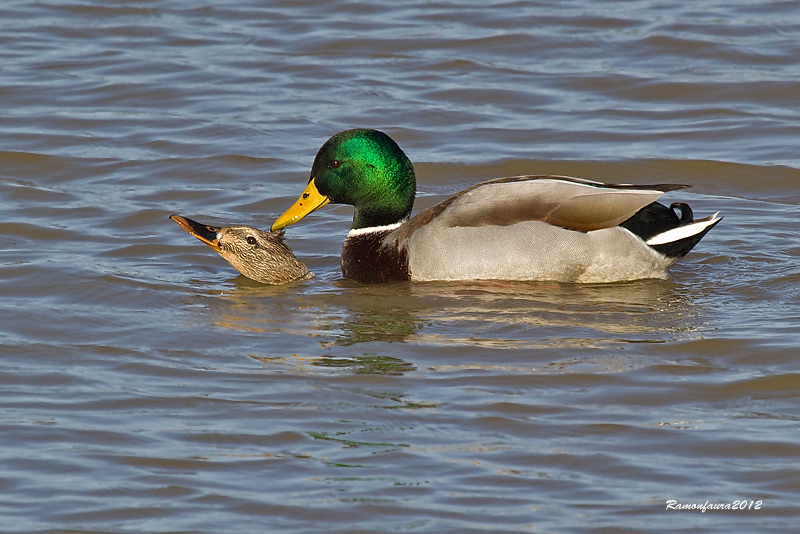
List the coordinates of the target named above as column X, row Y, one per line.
column 259, row 255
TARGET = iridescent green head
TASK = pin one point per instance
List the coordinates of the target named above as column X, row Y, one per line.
column 364, row 168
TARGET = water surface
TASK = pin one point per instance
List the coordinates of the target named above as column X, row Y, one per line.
column 148, row 388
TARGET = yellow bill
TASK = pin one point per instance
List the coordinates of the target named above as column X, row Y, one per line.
column 310, row 200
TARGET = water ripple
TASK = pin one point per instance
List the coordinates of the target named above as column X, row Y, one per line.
column 147, row 387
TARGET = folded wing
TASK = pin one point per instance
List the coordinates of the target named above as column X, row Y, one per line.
column 567, row 202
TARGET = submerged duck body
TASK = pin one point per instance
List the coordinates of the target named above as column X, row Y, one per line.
column 258, row 255
column 554, row 228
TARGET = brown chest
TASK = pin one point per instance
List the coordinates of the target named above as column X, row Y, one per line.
column 367, row 258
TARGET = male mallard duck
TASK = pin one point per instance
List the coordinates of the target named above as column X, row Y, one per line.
column 258, row 255
column 522, row 228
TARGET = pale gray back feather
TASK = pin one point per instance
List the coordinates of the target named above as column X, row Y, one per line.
column 567, row 204
column 536, row 228
column 564, row 201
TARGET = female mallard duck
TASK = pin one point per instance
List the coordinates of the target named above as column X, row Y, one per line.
column 522, row 228
column 258, row 255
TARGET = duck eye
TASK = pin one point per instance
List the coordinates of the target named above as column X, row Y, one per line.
column 334, row 164
column 251, row 240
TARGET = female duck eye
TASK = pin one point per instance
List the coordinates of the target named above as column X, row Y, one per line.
column 251, row 240
column 334, row 164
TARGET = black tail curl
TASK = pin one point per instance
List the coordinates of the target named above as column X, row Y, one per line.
column 657, row 218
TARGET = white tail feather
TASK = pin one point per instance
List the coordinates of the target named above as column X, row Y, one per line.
column 682, row 232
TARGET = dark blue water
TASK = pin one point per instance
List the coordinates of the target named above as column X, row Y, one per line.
column 148, row 388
